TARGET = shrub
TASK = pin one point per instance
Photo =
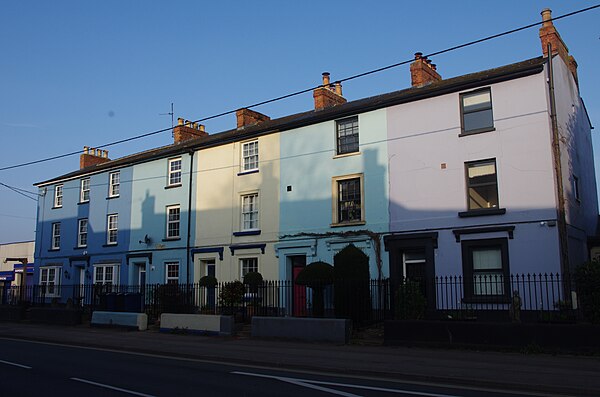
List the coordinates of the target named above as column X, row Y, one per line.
column 410, row 301
column 208, row 281
column 254, row 280
column 587, row 279
column 352, row 297
column 231, row 295
column 316, row 276
column 174, row 298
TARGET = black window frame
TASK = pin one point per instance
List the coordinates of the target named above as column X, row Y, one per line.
column 497, row 210
column 341, row 147
column 463, row 131
column 468, row 246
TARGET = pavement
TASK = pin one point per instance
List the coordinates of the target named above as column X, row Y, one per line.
column 541, row 374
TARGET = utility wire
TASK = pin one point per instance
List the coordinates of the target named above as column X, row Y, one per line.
column 356, row 76
column 17, row 191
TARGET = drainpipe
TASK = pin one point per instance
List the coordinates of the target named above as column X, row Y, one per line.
column 562, row 222
column 189, row 219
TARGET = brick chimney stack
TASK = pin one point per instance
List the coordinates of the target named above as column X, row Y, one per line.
column 247, row 118
column 328, row 94
column 423, row 72
column 186, row 130
column 92, row 156
column 549, row 34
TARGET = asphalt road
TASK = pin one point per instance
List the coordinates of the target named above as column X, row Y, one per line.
column 34, row 369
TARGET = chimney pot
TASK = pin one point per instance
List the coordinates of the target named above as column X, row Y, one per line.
column 201, row 127
column 86, row 149
column 547, row 17
column 179, row 121
column 326, row 79
column 418, row 55
column 338, row 88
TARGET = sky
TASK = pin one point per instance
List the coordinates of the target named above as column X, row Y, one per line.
column 86, row 73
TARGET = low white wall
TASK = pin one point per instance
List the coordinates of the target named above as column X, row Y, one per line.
column 133, row 320
column 197, row 323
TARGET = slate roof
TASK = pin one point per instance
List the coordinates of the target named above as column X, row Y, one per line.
column 446, row 86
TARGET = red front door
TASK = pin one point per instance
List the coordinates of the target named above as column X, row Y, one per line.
column 299, row 291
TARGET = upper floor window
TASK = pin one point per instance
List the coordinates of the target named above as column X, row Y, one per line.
column 347, row 135
column 112, row 228
column 84, row 194
column 173, row 221
column 175, row 172
column 82, row 233
column 250, row 156
column 248, row 265
column 250, row 212
column 576, row 193
column 476, row 111
column 348, row 200
column 58, row 196
column 114, row 182
column 172, row 272
column 482, row 185
column 56, row 236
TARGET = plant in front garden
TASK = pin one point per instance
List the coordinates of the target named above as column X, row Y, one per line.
column 231, row 296
column 587, row 281
column 410, row 301
column 208, row 281
column 352, row 296
column 316, row 276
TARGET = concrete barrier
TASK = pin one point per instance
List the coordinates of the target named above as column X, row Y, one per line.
column 130, row 320
column 308, row 329
column 205, row 324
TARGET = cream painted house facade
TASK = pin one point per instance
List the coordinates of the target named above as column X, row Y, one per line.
column 237, row 207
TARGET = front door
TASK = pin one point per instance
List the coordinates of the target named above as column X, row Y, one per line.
column 299, row 291
column 413, row 268
column 209, row 269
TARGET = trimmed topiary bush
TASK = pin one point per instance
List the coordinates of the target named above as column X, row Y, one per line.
column 254, row 280
column 208, row 281
column 352, row 297
column 230, row 296
column 587, row 280
column 316, row 276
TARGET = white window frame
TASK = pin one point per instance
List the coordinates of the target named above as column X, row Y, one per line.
column 58, row 196
column 84, row 190
column 82, row 232
column 245, row 265
column 249, row 210
column 249, row 156
column 56, row 235
column 50, row 281
column 335, row 188
column 112, row 229
column 114, row 184
column 175, row 167
column 173, row 222
column 170, row 278
column 103, row 280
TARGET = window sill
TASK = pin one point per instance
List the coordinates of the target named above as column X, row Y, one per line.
column 247, row 172
column 173, row 186
column 55, row 208
column 482, row 212
column 54, row 249
column 112, row 197
column 337, row 156
column 475, row 132
column 171, row 239
column 81, row 247
column 353, row 223
column 83, row 202
column 110, row 245
column 247, row 233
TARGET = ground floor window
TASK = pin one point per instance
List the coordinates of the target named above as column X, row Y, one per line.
column 106, row 275
column 50, row 281
column 248, row 265
column 172, row 271
column 486, row 269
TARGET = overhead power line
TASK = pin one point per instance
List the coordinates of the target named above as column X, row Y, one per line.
column 296, row 93
column 19, row 191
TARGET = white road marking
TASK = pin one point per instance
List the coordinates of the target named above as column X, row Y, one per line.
column 14, row 364
column 312, row 384
column 135, row 393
